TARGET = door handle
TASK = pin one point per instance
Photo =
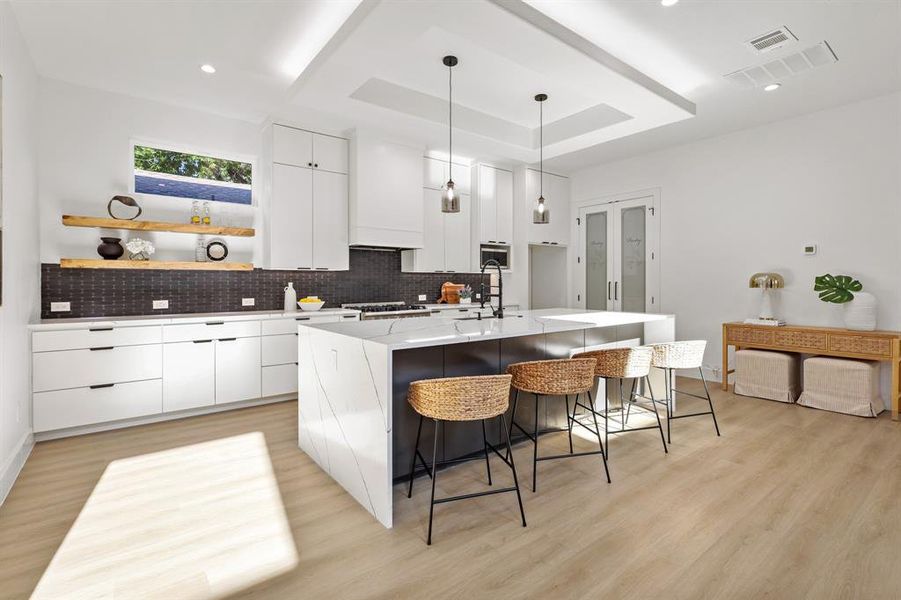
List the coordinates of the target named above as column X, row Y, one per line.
column 616, row 291
column 102, row 385
column 608, row 291
column 215, row 323
column 227, row 339
column 101, row 329
column 101, row 348
column 202, row 341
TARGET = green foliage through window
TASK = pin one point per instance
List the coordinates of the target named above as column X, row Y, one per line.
column 191, row 165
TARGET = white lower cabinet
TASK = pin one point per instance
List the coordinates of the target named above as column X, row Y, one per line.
column 279, row 350
column 280, row 379
column 96, row 366
column 238, row 368
column 189, row 375
column 88, row 405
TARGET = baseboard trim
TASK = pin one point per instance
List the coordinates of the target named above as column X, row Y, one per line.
column 194, row 412
column 13, row 466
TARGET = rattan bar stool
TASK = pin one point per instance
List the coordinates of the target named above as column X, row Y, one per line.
column 623, row 363
column 565, row 377
column 462, row 399
column 681, row 355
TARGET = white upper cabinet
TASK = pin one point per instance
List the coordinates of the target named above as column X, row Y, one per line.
column 446, row 238
column 330, row 249
column 330, row 153
column 292, row 146
column 385, row 193
column 458, row 237
column 556, row 195
column 435, row 175
column 495, row 195
column 290, row 218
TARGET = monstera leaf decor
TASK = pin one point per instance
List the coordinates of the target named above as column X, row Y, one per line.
column 837, row 289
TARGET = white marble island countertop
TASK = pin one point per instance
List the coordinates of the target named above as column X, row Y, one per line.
column 398, row 334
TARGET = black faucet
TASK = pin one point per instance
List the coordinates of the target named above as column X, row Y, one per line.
column 499, row 311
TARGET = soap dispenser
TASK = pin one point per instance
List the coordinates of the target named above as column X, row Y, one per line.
column 290, row 297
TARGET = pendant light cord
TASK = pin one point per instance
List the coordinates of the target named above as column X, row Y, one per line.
column 541, row 149
column 450, row 122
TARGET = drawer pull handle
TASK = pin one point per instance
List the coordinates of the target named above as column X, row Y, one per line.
column 202, row 341
column 227, row 339
column 101, row 329
column 102, row 348
column 350, row 316
column 302, row 318
column 102, row 385
column 216, row 323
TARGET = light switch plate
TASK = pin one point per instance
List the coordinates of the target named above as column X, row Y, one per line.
column 810, row 249
column 160, row 304
column 248, row 301
column 60, row 306
column 422, row 297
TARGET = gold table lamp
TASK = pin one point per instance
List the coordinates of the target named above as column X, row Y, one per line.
column 766, row 282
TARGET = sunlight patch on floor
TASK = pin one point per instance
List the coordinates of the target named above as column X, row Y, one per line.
column 194, row 522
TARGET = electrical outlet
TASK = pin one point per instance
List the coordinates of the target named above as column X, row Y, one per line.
column 160, row 304
column 478, row 296
column 422, row 297
column 248, row 301
column 60, row 306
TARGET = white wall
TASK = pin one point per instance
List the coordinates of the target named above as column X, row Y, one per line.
column 85, row 159
column 748, row 201
column 21, row 272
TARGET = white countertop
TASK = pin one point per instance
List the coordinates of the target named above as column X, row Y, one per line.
column 139, row 320
column 399, row 334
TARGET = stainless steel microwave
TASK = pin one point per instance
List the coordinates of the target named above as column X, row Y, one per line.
column 496, row 252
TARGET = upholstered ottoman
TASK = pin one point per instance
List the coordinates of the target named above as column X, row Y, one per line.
column 767, row 374
column 842, row 385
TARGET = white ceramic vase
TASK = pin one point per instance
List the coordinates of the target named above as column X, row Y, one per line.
column 860, row 313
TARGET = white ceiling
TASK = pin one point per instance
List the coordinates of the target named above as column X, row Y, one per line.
column 382, row 69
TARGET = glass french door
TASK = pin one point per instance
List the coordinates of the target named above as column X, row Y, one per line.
column 618, row 257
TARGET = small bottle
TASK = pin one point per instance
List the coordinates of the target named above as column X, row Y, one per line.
column 200, row 250
column 206, row 213
column 290, row 298
column 195, row 213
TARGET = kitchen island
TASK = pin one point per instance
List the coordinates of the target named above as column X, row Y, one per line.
column 353, row 418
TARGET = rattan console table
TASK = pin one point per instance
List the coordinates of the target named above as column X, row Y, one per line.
column 883, row 346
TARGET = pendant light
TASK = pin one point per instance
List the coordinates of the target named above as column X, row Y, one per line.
column 542, row 214
column 450, row 199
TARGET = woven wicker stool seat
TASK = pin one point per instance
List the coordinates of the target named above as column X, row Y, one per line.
column 681, row 355
column 459, row 399
column 549, row 378
column 622, row 363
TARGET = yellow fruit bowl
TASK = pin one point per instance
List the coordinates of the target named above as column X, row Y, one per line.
column 310, row 303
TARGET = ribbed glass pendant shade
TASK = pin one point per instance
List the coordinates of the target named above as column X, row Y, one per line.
column 542, row 214
column 450, row 199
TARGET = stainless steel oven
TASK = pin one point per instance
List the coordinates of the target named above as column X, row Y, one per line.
column 498, row 252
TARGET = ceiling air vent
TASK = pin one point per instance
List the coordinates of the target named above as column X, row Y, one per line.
column 779, row 69
column 771, row 40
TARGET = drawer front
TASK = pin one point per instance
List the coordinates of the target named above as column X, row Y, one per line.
column 860, row 344
column 749, row 335
column 211, row 330
column 813, row 340
column 76, row 339
column 285, row 326
column 280, row 379
column 279, row 349
column 86, row 406
column 82, row 368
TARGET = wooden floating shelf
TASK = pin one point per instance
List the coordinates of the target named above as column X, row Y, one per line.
column 105, row 223
column 159, row 265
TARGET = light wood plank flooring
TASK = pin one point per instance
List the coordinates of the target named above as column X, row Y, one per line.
column 789, row 503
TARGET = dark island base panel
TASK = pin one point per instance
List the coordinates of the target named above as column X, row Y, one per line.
column 457, row 440
column 374, row 276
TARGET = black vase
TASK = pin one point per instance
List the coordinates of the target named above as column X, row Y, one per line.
column 110, row 249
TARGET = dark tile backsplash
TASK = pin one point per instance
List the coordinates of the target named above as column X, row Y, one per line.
column 374, row 276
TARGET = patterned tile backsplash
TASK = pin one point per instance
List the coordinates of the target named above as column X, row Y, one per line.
column 374, row 276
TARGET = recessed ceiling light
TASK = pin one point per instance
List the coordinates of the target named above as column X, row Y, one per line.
column 668, row 2
column 208, row 69
column 772, row 86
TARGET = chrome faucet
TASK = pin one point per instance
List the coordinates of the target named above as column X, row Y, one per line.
column 499, row 311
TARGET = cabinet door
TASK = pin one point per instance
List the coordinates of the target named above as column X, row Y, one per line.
column 238, row 370
column 434, row 174
column 292, row 146
column 487, row 204
column 290, row 218
column 330, row 153
column 457, row 237
column 560, row 220
column 431, row 256
column 189, row 375
column 279, row 349
column 503, row 198
column 330, row 242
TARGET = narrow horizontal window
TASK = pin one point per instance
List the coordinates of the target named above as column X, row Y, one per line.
column 193, row 176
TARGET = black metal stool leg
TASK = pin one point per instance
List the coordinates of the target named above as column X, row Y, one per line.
column 434, row 479
column 647, row 381
column 413, row 460
column 535, row 452
column 709, row 401
column 569, row 426
column 512, row 415
column 668, row 377
column 485, row 448
column 522, row 513
column 606, row 418
column 597, row 430
column 631, row 398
